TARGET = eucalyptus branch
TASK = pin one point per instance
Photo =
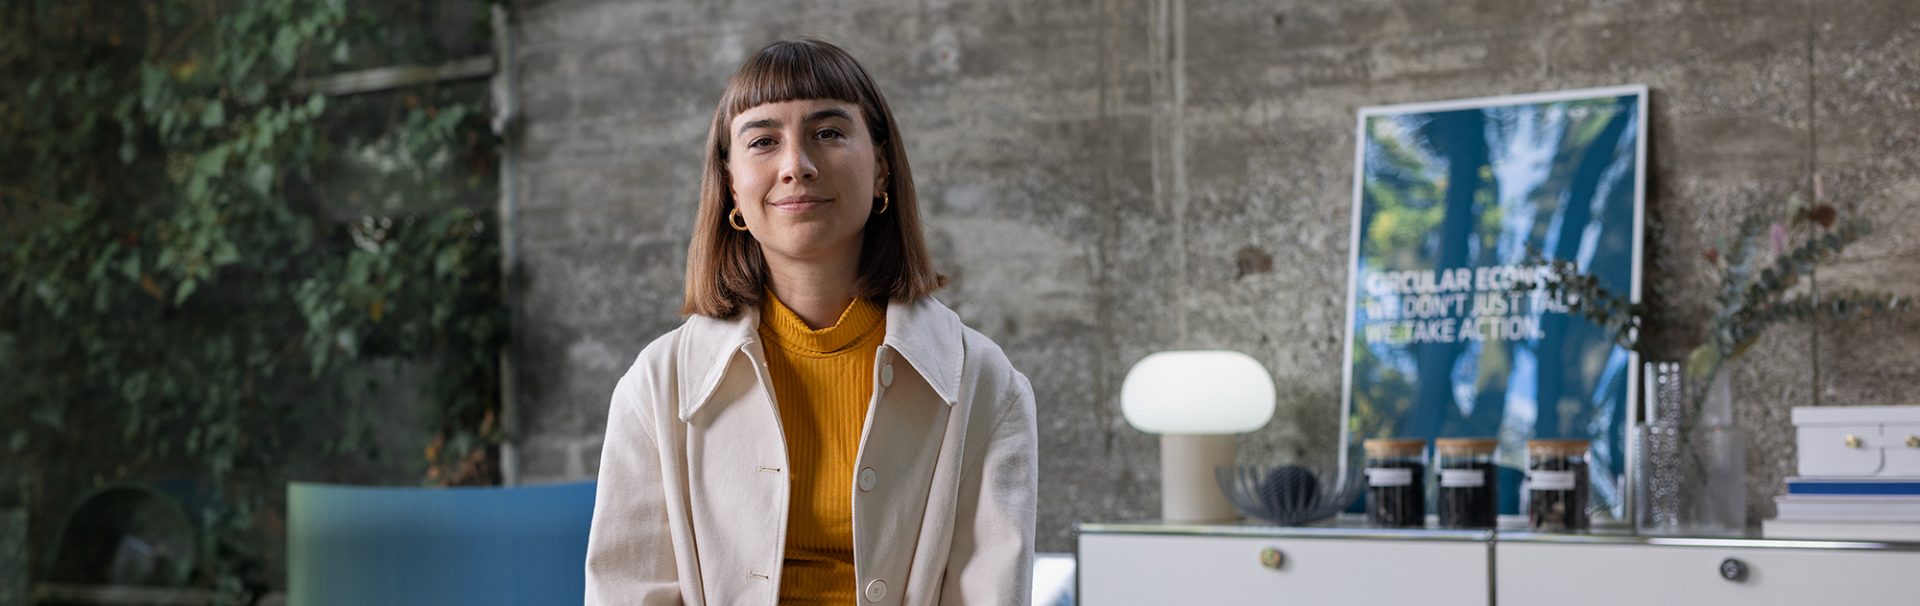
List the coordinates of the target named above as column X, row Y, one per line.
column 1619, row 317
column 1753, row 294
column 1746, row 315
column 1842, row 306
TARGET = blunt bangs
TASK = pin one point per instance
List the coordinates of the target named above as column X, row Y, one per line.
column 799, row 70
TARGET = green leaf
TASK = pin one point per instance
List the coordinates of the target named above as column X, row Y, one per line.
column 224, row 254
column 213, row 115
column 134, row 389
column 252, row 91
column 130, row 267
column 286, row 49
column 197, row 187
column 185, row 290
column 446, row 261
column 1703, row 362
column 214, row 161
column 260, row 178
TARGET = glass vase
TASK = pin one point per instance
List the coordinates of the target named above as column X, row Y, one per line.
column 1691, row 476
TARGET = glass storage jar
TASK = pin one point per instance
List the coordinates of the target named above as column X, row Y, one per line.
column 1396, row 482
column 1557, row 485
column 1468, row 495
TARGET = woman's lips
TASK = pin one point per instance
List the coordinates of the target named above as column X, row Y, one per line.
column 796, row 204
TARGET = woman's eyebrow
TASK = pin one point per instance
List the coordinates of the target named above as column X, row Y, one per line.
column 834, row 112
column 761, row 123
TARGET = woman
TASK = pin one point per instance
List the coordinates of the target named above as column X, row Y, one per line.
column 820, row 430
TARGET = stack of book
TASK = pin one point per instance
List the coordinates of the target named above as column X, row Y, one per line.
column 1859, row 475
column 1840, row 508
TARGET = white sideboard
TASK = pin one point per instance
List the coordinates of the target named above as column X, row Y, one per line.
column 1149, row 563
column 1532, row 569
column 1127, row 564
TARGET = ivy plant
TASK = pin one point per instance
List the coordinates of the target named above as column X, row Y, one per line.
column 205, row 268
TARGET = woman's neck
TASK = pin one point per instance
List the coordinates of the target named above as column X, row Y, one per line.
column 818, row 294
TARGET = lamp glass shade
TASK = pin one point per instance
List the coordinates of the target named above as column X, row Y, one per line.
column 1197, row 392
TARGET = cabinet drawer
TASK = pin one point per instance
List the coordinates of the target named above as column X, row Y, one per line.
column 1611, row 575
column 1902, row 450
column 1840, row 450
column 1124, row 569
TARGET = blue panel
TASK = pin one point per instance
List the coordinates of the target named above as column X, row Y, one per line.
column 1832, row 487
column 423, row 546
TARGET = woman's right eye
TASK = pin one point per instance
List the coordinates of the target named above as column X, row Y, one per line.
column 760, row 142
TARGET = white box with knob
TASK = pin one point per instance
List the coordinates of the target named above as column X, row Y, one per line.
column 1858, row 441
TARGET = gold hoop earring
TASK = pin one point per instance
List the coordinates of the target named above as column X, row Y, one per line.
column 736, row 221
column 885, row 202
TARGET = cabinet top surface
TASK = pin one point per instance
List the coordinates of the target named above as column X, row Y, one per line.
column 1343, row 529
column 1347, row 529
column 1849, row 415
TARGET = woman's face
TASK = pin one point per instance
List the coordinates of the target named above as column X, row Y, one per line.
column 804, row 175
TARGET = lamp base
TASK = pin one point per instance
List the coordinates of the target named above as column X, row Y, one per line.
column 1188, row 492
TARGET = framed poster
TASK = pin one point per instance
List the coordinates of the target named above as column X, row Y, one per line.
column 1453, row 203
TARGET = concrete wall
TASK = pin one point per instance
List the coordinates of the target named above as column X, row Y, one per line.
column 1108, row 178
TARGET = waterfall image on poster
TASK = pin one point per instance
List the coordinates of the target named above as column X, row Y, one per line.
column 1455, row 203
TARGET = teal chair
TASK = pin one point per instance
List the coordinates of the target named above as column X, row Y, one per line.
column 420, row 546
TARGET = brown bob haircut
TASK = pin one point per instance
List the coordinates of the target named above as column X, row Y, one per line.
column 725, row 269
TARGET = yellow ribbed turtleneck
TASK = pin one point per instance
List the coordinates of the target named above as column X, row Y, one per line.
column 822, row 381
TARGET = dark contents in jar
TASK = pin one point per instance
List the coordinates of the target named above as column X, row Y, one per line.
column 1469, row 506
column 1555, row 509
column 1397, row 506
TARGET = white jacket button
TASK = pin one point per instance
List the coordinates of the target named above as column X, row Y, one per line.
column 876, row 590
column 886, row 375
column 867, row 478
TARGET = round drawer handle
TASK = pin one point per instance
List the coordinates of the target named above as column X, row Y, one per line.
column 1733, row 570
column 1913, row 441
column 1272, row 558
column 1853, row 441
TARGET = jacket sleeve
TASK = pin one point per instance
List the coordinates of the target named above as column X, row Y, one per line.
column 630, row 555
column 991, row 560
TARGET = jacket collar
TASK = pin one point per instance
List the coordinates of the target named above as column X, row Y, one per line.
column 923, row 332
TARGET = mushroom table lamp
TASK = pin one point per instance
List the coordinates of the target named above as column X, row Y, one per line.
column 1197, row 401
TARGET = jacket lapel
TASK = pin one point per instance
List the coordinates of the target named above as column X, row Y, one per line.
column 927, row 335
column 705, row 350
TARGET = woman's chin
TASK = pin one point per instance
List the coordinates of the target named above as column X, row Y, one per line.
column 802, row 246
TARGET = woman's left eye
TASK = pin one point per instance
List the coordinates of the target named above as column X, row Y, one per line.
column 830, row 133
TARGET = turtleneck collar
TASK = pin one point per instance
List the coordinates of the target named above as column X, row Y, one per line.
column 781, row 326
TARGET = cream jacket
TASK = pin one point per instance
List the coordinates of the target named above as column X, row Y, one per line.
column 693, row 492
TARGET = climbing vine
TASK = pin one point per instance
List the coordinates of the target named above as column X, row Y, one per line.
column 207, row 268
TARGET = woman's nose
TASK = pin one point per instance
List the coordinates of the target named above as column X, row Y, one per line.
column 797, row 166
